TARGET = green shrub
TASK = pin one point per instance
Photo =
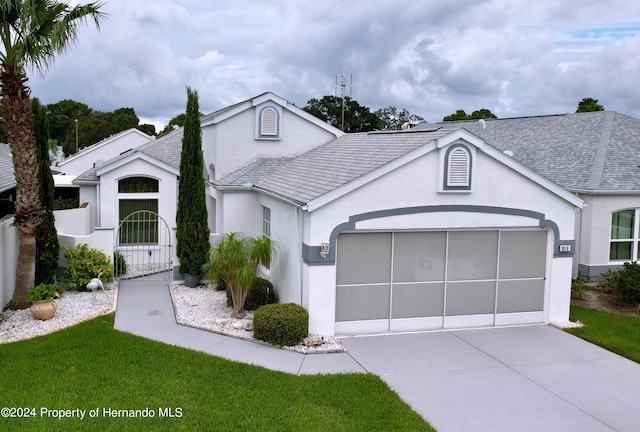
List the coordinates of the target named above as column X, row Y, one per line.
column 628, row 287
column 281, row 324
column 65, row 203
column 221, row 285
column 120, row 264
column 608, row 281
column 260, row 293
column 579, row 286
column 85, row 264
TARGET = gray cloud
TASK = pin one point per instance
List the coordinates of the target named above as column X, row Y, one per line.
column 515, row 58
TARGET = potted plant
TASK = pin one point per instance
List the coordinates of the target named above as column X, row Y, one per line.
column 41, row 297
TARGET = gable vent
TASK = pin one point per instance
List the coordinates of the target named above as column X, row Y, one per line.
column 458, row 168
column 269, row 122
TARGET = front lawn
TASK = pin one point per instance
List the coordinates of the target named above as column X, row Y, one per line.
column 615, row 332
column 93, row 368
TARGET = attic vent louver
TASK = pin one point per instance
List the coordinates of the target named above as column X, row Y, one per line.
column 458, row 168
column 269, row 122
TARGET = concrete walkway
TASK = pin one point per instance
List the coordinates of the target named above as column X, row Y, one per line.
column 528, row 378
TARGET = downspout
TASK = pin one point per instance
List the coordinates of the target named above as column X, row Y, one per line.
column 98, row 218
column 299, row 220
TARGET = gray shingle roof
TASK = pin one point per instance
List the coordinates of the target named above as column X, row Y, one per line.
column 166, row 149
column 331, row 165
column 596, row 151
column 7, row 177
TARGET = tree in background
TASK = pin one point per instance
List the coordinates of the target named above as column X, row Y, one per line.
column 176, row 122
column 357, row 118
column 390, row 118
column 32, row 33
column 589, row 105
column 98, row 126
column 476, row 115
column 191, row 219
column 62, row 117
column 47, row 246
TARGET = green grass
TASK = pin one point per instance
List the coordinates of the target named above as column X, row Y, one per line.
column 92, row 366
column 617, row 333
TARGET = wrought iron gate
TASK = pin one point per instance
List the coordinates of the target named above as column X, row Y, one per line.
column 143, row 247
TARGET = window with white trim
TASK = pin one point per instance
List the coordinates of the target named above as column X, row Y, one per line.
column 457, row 173
column 138, row 210
column 266, row 221
column 624, row 235
column 269, row 123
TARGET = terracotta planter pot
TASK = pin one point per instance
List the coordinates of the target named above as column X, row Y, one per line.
column 43, row 309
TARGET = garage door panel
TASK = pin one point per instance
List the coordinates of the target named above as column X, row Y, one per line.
column 364, row 258
column 363, row 302
column 472, row 255
column 417, row 300
column 470, row 298
column 520, row 296
column 405, row 281
column 419, row 256
column 523, row 254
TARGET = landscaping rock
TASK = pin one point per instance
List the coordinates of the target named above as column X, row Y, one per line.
column 311, row 341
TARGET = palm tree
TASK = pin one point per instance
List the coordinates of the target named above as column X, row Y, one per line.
column 32, row 33
column 235, row 260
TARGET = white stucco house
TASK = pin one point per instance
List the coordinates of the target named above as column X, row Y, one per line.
column 440, row 226
column 97, row 153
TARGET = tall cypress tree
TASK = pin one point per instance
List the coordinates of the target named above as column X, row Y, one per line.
column 191, row 217
column 47, row 246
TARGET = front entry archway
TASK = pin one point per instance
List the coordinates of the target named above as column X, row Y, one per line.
column 143, row 247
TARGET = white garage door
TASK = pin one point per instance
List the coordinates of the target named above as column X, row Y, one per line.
column 398, row 281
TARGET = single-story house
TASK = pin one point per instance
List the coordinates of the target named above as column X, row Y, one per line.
column 440, row 226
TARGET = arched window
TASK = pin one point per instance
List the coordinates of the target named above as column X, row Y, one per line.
column 137, row 185
column 268, row 123
column 457, row 168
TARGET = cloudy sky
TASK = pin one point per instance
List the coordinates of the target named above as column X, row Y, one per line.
column 514, row 57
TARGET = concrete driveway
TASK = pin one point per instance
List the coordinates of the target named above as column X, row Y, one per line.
column 532, row 378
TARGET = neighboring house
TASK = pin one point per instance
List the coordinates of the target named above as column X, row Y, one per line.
column 440, row 226
column 106, row 149
column 7, row 181
column 595, row 156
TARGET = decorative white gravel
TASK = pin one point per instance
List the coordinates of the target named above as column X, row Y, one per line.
column 205, row 308
column 73, row 308
column 567, row 324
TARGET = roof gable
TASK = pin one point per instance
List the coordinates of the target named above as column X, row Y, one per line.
column 268, row 97
column 92, row 148
column 334, row 169
column 594, row 152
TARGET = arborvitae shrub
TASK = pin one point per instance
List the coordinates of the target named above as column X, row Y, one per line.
column 261, row 293
column 281, row 324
